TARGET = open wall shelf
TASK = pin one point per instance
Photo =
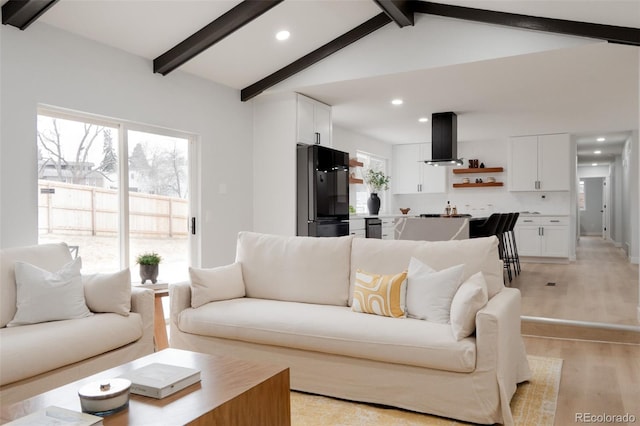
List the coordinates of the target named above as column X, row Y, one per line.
column 355, row 163
column 478, row 170
column 474, row 185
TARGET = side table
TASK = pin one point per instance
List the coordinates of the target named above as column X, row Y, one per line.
column 159, row 326
column 160, row 339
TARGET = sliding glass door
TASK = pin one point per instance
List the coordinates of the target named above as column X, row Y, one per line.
column 110, row 207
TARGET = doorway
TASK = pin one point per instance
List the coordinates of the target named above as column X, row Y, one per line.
column 592, row 208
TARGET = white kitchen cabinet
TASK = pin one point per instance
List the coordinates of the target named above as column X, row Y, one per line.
column 388, row 228
column 313, row 123
column 357, row 228
column 542, row 236
column 411, row 175
column 539, row 163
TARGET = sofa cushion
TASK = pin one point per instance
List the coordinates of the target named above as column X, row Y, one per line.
column 380, row 294
column 297, row 269
column 34, row 349
column 430, row 292
column 391, row 256
column 221, row 283
column 50, row 257
column 468, row 300
column 108, row 292
column 48, row 296
column 334, row 330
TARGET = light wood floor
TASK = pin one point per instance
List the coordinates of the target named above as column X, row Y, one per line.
column 600, row 286
column 597, row 377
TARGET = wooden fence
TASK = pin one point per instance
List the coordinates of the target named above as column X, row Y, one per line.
column 86, row 210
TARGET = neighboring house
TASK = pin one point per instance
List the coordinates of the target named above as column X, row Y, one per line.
column 82, row 173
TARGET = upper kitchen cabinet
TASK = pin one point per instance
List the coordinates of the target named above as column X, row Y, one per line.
column 313, row 122
column 411, row 175
column 539, row 163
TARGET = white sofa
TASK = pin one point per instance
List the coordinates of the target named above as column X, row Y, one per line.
column 38, row 357
column 295, row 312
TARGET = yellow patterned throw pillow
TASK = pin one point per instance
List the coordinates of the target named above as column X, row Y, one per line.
column 380, row 294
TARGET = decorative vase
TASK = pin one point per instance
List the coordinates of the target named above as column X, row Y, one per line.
column 373, row 203
column 149, row 272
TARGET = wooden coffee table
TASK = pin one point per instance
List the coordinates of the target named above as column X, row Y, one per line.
column 231, row 392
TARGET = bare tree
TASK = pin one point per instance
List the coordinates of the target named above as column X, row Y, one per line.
column 50, row 140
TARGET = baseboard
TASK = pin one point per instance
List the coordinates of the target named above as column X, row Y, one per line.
column 580, row 330
column 540, row 259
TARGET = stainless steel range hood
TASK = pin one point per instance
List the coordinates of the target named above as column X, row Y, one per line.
column 444, row 140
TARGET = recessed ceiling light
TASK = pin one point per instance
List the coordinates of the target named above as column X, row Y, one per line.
column 282, row 35
column 581, row 182
column 397, row 102
column 597, row 152
column 423, row 119
column 594, row 164
column 601, row 139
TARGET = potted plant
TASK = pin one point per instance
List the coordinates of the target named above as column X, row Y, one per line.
column 376, row 181
column 149, row 264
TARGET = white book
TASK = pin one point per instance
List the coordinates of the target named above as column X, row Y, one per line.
column 57, row 416
column 160, row 380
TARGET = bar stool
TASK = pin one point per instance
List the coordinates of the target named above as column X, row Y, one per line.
column 501, row 231
column 486, row 229
column 494, row 225
column 513, row 247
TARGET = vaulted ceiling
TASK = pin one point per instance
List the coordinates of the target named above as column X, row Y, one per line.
column 588, row 87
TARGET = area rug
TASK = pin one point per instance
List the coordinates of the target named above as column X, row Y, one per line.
column 534, row 403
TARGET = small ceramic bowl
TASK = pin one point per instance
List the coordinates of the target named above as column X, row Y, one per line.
column 405, row 210
column 491, row 179
column 465, row 180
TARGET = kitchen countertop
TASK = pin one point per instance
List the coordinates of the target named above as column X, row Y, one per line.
column 542, row 215
column 379, row 216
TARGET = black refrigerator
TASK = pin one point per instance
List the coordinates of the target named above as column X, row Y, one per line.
column 322, row 191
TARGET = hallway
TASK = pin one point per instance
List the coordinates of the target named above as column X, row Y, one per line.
column 600, row 286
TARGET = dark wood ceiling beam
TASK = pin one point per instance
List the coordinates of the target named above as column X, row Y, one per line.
column 610, row 33
column 401, row 11
column 206, row 37
column 22, row 13
column 317, row 55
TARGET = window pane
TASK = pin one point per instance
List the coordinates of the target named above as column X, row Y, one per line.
column 78, row 190
column 362, row 192
column 158, row 202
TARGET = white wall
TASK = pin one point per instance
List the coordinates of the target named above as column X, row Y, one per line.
column 44, row 65
column 274, row 164
column 630, row 199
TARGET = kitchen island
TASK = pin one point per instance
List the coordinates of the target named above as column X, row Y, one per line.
column 433, row 228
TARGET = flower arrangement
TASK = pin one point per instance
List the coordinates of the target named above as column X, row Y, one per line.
column 376, row 181
column 149, row 258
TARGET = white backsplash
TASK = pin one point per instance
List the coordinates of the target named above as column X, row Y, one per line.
column 481, row 202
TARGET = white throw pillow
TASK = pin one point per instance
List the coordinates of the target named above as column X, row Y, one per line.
column 48, row 296
column 108, row 292
column 430, row 292
column 469, row 299
column 222, row 283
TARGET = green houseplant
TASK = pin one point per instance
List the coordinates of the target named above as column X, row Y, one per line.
column 376, row 181
column 149, row 266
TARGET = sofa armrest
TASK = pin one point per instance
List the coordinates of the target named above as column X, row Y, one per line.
column 180, row 299
column 142, row 302
column 500, row 346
